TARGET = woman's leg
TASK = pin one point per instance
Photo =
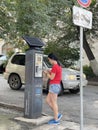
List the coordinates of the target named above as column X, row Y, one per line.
column 52, row 102
column 48, row 100
column 54, row 105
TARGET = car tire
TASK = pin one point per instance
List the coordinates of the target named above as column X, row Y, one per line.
column 75, row 90
column 60, row 93
column 15, row 82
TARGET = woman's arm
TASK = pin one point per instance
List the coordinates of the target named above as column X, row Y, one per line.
column 49, row 75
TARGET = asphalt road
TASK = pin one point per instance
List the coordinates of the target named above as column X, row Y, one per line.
column 69, row 104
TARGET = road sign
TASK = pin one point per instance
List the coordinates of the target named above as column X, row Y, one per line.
column 82, row 17
column 84, row 3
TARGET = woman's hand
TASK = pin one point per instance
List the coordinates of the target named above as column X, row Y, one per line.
column 49, row 75
column 45, row 71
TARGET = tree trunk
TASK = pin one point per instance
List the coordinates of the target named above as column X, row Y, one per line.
column 90, row 55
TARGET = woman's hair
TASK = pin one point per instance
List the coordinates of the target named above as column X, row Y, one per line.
column 53, row 57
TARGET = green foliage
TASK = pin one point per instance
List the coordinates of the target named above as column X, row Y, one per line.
column 88, row 71
column 93, row 2
column 7, row 20
column 66, row 54
column 64, row 32
column 10, row 53
column 32, row 18
column 49, row 19
column 94, row 10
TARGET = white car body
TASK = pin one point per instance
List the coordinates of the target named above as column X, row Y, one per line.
column 70, row 77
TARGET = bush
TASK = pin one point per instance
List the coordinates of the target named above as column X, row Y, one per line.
column 88, row 71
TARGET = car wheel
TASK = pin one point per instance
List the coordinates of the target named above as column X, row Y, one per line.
column 15, row 82
column 60, row 93
column 75, row 90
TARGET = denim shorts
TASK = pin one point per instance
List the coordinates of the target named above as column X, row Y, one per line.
column 55, row 88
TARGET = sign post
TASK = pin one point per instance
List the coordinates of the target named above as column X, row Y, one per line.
column 81, row 74
column 82, row 18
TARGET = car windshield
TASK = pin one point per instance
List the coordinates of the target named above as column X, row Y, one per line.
column 48, row 63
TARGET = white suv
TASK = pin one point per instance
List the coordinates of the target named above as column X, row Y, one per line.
column 15, row 74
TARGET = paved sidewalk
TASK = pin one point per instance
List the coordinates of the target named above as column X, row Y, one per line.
column 65, row 125
column 42, row 124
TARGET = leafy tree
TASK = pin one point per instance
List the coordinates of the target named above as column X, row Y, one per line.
column 7, row 20
column 40, row 18
column 64, row 32
column 32, row 18
column 65, row 53
column 46, row 19
column 91, row 34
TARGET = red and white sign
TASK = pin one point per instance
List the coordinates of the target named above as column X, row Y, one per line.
column 84, row 3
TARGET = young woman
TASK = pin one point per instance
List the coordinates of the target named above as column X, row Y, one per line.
column 55, row 75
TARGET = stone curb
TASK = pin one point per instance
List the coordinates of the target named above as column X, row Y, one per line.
column 39, row 121
column 10, row 106
column 92, row 83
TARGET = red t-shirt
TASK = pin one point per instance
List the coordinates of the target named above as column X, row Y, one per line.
column 58, row 74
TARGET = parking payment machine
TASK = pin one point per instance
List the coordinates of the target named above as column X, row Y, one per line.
column 33, row 78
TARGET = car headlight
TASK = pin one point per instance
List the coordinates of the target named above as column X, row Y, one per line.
column 71, row 77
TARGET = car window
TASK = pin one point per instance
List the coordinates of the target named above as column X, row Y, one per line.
column 18, row 59
column 48, row 63
column 1, row 55
column 45, row 59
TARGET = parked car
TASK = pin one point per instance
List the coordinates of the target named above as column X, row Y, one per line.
column 3, row 59
column 15, row 74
